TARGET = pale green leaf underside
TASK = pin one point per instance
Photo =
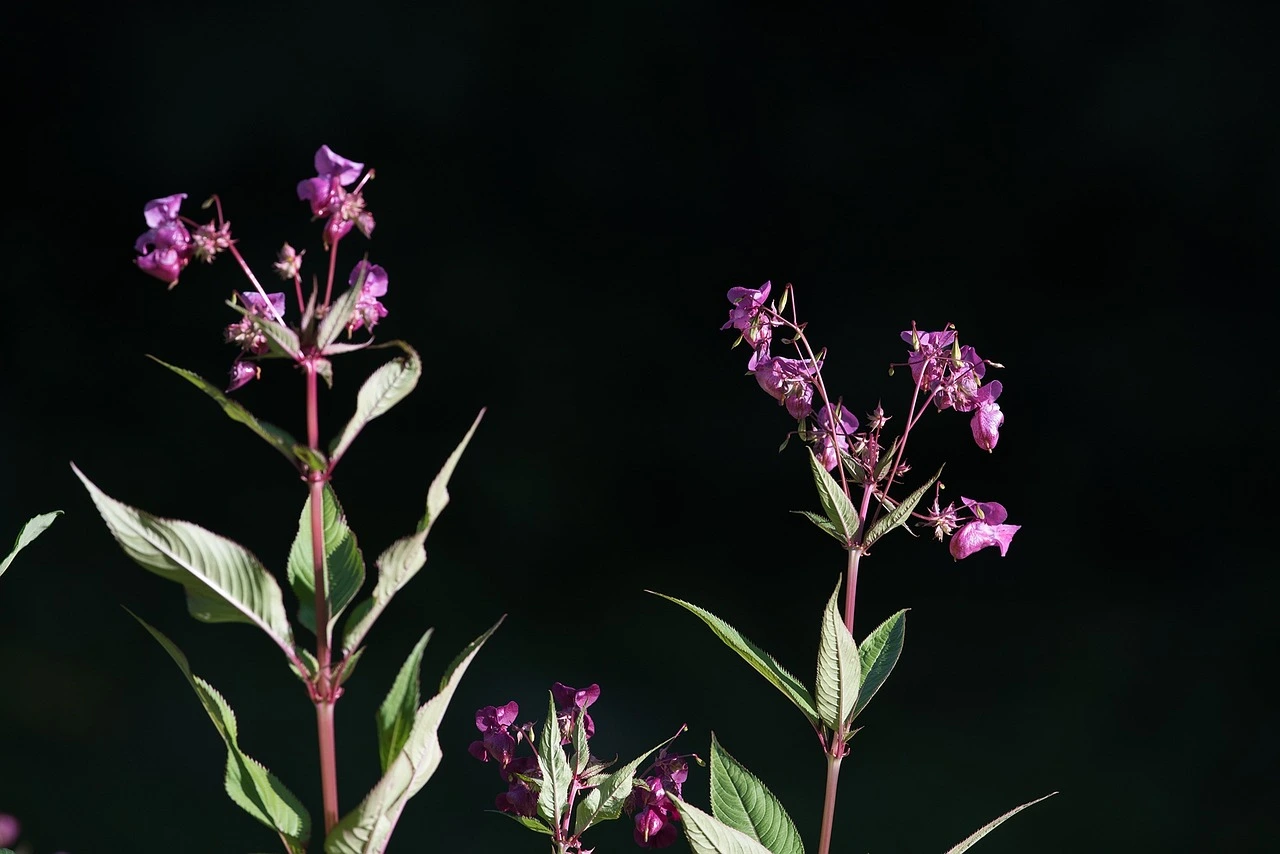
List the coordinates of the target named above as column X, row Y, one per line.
column 837, row 506
column 992, row 825
column 604, row 803
column 339, row 315
column 384, row 388
column 706, row 834
column 553, row 797
column 898, row 515
column 400, row 706
column 877, row 656
column 839, row 672
column 224, row 581
column 344, row 563
column 34, row 527
column 249, row 784
column 743, row 802
column 763, row 663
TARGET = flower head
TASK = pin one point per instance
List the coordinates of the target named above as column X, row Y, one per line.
column 495, row 722
column 166, row 245
column 987, row 417
column 571, row 701
column 246, row 331
column 832, row 442
column 368, row 309
column 755, row 325
column 986, row 529
column 328, row 197
column 790, row 382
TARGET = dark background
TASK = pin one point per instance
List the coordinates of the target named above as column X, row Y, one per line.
column 1089, row 191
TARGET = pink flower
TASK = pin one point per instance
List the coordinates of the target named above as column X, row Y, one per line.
column 166, row 245
column 985, row 529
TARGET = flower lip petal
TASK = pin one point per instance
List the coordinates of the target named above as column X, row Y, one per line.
column 328, row 163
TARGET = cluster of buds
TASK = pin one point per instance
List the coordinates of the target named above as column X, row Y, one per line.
column 172, row 240
column 945, row 373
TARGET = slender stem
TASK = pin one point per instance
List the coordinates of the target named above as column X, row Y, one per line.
column 323, row 694
column 851, row 586
column 333, row 261
column 829, row 803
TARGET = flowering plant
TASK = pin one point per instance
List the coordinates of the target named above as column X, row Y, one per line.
column 857, row 474
column 325, row 566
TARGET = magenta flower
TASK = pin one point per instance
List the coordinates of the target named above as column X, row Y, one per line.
column 166, row 245
column 245, row 331
column 495, row 723
column 830, row 443
column 10, row 830
column 790, row 382
column 755, row 325
column 328, row 198
column 654, row 811
column 368, row 310
column 987, row 418
column 568, row 702
column 242, row 373
column 519, row 798
column 986, row 529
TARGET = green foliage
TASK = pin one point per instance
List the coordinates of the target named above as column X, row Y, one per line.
column 339, row 314
column 384, row 388
column 255, row 789
column 742, row 802
column 839, row 669
column 992, row 825
column 604, row 802
column 553, row 796
column 707, row 834
column 34, row 527
column 400, row 706
column 839, row 509
column 343, row 562
column 897, row 515
column 878, row 654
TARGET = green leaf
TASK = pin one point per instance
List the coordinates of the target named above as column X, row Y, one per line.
column 279, row 439
column 764, row 663
column 604, row 802
column 708, row 835
column 898, row 515
column 835, row 503
column 255, row 789
column 839, row 670
column 225, row 583
column 553, row 798
column 282, row 340
column 990, row 826
column 352, row 660
column 384, row 388
column 878, row 655
column 343, row 561
column 741, row 801
column 340, row 311
column 823, row 523
column 398, row 709
column 367, row 829
column 403, row 558
column 34, row 527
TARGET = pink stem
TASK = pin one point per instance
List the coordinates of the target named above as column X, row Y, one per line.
column 829, row 802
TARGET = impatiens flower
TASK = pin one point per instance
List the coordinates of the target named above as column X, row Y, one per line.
column 242, row 373
column 830, row 443
column 368, row 310
column 986, row 529
column 245, row 331
column 519, row 798
column 987, row 418
column 651, row 805
column 569, row 701
column 495, row 723
column 790, row 382
column 328, row 198
column 755, row 325
column 165, row 246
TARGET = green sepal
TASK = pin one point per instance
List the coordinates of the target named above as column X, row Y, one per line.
column 877, row 656
column 898, row 515
column 741, row 801
column 34, row 527
column 707, row 834
column 763, row 663
column 396, row 714
column 352, row 660
column 224, row 582
column 553, row 797
column 839, row 669
column 837, row 506
column 367, row 828
column 992, row 825
column 384, row 388
column 253, row 788
column 343, row 562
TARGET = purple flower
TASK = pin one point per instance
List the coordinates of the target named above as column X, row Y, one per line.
column 790, row 382
column 166, row 245
column 242, row 373
column 987, row 418
column 327, row 197
column 245, row 331
column 655, row 813
column 755, row 325
column 569, row 701
column 519, row 799
column 829, row 441
column 368, row 310
column 10, row 830
column 985, row 529
column 495, row 723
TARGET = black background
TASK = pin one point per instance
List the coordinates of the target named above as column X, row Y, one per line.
column 1089, row 191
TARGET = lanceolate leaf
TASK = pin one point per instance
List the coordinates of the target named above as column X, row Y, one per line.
column 839, row 671
column 553, row 798
column 403, row 558
column 604, row 803
column 823, row 523
column 835, row 503
column 34, row 527
column 225, row 583
column 878, row 654
column 367, row 829
column 282, row 340
column 709, row 835
column 384, row 388
column 255, row 789
column 740, row 800
column 897, row 515
column 399, row 708
column 339, row 315
column 293, row 450
column 764, row 663
column 344, row 563
column 990, row 826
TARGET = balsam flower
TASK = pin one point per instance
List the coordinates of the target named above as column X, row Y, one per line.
column 368, row 309
column 328, row 198
column 569, row 701
column 495, row 723
column 651, row 805
column 166, row 245
column 986, row 529
column 831, row 443
column 245, row 331
column 987, row 418
column 790, row 382
column 747, row 317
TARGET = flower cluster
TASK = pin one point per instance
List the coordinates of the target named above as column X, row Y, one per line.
column 651, row 805
column 167, row 246
column 952, row 375
column 499, row 738
column 330, row 199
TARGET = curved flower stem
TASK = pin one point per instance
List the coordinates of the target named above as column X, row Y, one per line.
column 829, row 804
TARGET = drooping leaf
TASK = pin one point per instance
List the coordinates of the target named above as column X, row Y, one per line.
column 835, row 503
column 604, row 803
column 839, row 672
column 225, row 583
column 400, row 706
column 403, row 558
column 34, row 527
column 293, row 450
column 877, row 655
column 763, row 663
column 343, row 561
column 384, row 388
column 707, row 834
column 823, row 523
column 898, row 515
column 553, row 797
column 741, row 801
column 992, row 825
column 255, row 789
column 367, row 829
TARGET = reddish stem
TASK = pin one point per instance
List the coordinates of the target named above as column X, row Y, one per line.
column 829, row 800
